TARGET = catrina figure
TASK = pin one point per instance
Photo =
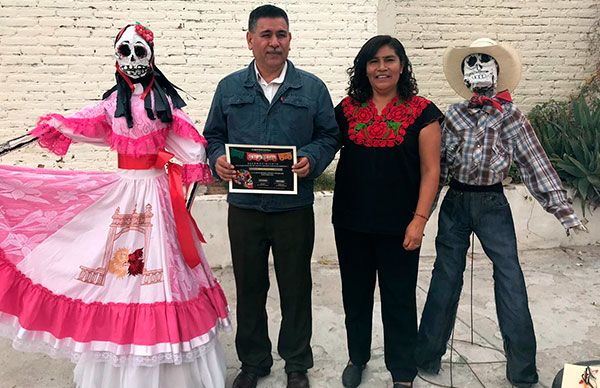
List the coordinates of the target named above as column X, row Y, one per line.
column 107, row 268
column 481, row 137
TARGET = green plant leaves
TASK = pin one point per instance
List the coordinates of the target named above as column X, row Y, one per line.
column 570, row 134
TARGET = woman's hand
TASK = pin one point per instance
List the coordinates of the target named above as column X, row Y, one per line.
column 413, row 237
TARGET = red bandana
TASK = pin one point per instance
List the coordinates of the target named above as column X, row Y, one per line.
column 496, row 101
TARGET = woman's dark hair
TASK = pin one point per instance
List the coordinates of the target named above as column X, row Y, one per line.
column 360, row 89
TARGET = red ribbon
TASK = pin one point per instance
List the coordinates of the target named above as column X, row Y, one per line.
column 184, row 222
column 148, row 88
column 125, row 77
column 478, row 100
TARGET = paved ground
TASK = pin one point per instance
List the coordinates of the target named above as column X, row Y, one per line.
column 564, row 293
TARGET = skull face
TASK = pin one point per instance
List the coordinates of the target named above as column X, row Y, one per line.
column 480, row 72
column 133, row 54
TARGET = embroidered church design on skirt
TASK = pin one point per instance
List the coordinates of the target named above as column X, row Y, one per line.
column 118, row 260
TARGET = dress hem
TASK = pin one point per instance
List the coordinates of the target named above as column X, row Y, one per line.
column 149, row 333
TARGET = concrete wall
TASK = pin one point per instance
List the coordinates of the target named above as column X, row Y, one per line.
column 535, row 228
column 56, row 55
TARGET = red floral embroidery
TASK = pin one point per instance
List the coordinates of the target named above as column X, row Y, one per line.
column 397, row 115
column 377, row 129
column 136, row 264
column 363, row 115
column 369, row 128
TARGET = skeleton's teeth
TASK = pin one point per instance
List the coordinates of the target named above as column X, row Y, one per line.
column 135, row 70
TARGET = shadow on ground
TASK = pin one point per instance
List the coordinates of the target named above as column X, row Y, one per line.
column 564, row 299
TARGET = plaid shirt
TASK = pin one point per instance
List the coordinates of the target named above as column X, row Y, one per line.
column 479, row 144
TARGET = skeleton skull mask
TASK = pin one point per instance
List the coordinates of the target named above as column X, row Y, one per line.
column 480, row 71
column 133, row 53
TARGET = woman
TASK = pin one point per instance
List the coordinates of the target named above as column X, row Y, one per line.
column 107, row 269
column 385, row 183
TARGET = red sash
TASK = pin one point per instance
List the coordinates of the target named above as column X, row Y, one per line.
column 184, row 222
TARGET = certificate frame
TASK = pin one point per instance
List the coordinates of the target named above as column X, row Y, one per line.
column 263, row 169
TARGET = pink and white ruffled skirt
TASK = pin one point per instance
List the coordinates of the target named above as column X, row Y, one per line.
column 90, row 269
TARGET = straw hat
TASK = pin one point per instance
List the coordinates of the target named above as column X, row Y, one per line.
column 507, row 58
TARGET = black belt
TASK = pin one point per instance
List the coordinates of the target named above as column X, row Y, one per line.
column 456, row 185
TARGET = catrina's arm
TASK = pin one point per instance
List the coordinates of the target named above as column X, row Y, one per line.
column 189, row 147
column 56, row 132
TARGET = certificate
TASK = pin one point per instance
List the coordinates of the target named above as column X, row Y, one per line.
column 262, row 169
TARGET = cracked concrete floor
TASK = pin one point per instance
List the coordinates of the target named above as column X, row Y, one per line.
column 564, row 295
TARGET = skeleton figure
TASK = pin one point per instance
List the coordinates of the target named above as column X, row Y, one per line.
column 133, row 53
column 481, row 137
column 480, row 73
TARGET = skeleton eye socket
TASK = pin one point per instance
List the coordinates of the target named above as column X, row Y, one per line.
column 140, row 51
column 485, row 58
column 471, row 60
column 124, row 50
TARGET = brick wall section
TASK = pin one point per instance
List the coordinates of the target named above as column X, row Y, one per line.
column 56, row 56
column 554, row 38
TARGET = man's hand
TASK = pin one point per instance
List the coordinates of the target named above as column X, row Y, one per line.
column 225, row 170
column 302, row 168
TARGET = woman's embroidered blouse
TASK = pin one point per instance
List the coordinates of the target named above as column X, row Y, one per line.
column 378, row 174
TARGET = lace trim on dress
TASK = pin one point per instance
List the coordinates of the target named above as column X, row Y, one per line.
column 57, row 316
column 43, row 342
column 50, row 138
column 145, row 145
column 184, row 128
column 197, row 173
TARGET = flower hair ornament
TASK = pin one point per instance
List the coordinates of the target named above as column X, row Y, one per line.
column 145, row 33
column 134, row 54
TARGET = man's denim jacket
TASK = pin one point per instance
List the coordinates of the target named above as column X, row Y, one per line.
column 301, row 114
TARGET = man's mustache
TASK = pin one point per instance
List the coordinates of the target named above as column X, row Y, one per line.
column 277, row 52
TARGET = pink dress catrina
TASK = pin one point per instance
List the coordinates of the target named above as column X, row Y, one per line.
column 91, row 263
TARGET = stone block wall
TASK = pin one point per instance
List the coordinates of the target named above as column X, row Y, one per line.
column 558, row 41
column 56, row 56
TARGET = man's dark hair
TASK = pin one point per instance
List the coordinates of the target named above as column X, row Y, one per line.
column 266, row 11
column 360, row 89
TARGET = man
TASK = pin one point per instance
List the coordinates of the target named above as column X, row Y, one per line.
column 272, row 103
column 480, row 138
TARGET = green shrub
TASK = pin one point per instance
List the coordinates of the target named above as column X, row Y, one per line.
column 570, row 134
column 325, row 182
column 514, row 174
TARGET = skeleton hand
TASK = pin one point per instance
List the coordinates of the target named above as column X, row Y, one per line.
column 577, row 229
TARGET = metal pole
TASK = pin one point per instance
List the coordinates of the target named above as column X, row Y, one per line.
column 190, row 201
column 472, row 257
column 16, row 143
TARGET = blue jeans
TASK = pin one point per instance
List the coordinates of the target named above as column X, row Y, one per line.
column 488, row 215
